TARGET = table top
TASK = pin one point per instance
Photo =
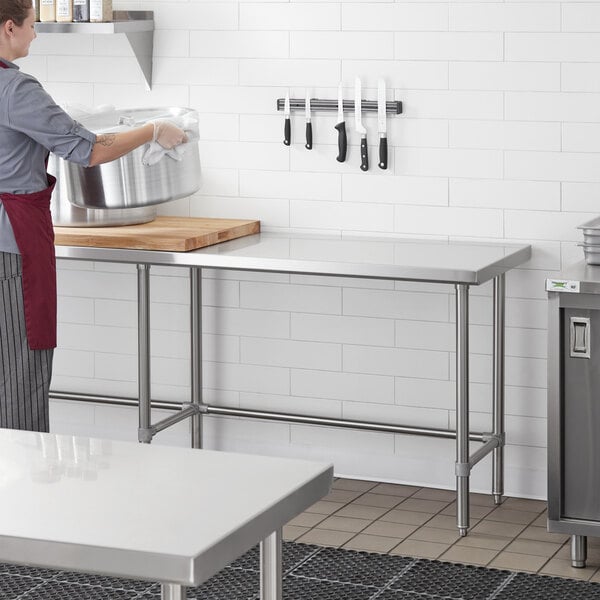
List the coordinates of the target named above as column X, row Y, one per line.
column 142, row 511
column 380, row 258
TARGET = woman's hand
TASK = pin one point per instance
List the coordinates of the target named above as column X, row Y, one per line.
column 168, row 135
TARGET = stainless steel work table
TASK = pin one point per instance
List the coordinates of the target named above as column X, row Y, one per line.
column 170, row 515
column 462, row 264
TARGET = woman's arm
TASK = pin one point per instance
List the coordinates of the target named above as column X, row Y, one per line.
column 110, row 146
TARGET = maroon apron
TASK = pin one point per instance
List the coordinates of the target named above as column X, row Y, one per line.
column 29, row 216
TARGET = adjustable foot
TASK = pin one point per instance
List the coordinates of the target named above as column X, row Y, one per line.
column 497, row 498
column 578, row 551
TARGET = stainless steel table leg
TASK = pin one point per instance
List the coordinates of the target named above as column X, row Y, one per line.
column 270, row 567
column 578, row 550
column 143, row 291
column 196, row 351
column 498, row 388
column 462, row 408
column 171, row 591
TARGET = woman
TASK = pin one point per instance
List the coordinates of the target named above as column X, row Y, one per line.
column 31, row 125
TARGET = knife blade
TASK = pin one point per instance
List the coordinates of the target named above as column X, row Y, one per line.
column 341, row 127
column 381, row 124
column 360, row 129
column 287, row 128
column 308, row 144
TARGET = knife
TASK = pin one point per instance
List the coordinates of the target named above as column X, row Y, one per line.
column 360, row 129
column 308, row 144
column 381, row 124
column 287, row 128
column 341, row 127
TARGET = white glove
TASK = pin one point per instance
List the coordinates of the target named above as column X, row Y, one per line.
column 168, row 135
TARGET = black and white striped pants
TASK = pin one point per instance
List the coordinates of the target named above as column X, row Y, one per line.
column 24, row 374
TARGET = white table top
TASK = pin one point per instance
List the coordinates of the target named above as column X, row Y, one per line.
column 382, row 258
column 143, row 511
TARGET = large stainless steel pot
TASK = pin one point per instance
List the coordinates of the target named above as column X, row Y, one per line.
column 124, row 191
column 65, row 214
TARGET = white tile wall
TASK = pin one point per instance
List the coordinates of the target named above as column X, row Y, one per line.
column 500, row 139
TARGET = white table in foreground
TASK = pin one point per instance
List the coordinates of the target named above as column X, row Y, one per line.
column 158, row 513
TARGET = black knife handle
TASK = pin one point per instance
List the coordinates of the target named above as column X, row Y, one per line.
column 287, row 132
column 342, row 141
column 383, row 153
column 364, row 154
column 308, row 144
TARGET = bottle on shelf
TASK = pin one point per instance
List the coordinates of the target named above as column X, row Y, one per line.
column 36, row 8
column 47, row 11
column 64, row 11
column 81, row 11
column 100, row 11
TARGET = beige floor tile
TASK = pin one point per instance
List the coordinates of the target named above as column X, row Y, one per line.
column 518, row 562
column 482, row 500
column 428, row 506
column 371, row 543
column 536, row 506
column 291, row 532
column 496, row 528
column 447, row 522
column 344, row 496
column 344, row 524
column 480, row 540
column 540, row 534
column 393, row 489
column 470, row 556
column 359, row 511
column 326, row 537
column 476, row 511
column 541, row 521
column 395, row 530
column 596, row 576
column 381, row 500
column 307, row 519
column 507, row 515
column 408, row 517
column 419, row 549
column 325, row 508
column 563, row 568
column 432, row 534
column 535, row 547
column 435, row 494
column 353, row 485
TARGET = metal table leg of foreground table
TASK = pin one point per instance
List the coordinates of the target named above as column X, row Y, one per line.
column 172, row 591
column 271, row 567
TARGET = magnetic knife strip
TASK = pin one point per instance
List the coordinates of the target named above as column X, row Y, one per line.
column 393, row 107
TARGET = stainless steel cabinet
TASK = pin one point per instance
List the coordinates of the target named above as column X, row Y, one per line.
column 574, row 407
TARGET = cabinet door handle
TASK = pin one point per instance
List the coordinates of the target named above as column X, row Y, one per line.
column 579, row 345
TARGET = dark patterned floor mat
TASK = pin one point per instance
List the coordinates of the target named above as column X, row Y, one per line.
column 312, row 573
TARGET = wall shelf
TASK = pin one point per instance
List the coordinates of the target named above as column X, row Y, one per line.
column 137, row 25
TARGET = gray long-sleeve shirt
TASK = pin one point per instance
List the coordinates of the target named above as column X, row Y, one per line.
column 31, row 124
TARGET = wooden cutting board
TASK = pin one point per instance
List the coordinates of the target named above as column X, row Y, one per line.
column 178, row 234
